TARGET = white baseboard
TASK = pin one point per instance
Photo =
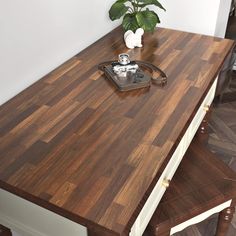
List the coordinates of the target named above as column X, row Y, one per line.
column 28, row 219
column 18, row 227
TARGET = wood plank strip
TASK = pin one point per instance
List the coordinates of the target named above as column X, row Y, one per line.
column 62, row 70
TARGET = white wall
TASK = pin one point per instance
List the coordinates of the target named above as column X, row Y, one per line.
column 222, row 18
column 38, row 35
column 202, row 16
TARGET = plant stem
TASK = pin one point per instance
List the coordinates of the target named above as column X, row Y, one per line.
column 138, row 8
column 137, row 5
column 134, row 5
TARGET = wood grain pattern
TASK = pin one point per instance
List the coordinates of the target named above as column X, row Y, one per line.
column 73, row 144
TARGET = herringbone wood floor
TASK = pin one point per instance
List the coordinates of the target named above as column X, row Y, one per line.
column 222, row 141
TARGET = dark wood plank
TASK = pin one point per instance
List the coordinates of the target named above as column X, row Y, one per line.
column 5, row 231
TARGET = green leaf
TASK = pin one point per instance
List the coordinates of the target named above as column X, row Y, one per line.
column 118, row 9
column 144, row 3
column 122, row 1
column 147, row 20
column 130, row 22
column 158, row 4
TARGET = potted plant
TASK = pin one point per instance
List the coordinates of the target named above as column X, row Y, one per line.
column 136, row 14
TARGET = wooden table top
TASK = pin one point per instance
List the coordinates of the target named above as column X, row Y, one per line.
column 75, row 145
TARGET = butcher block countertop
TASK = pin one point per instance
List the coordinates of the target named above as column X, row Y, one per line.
column 75, row 145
